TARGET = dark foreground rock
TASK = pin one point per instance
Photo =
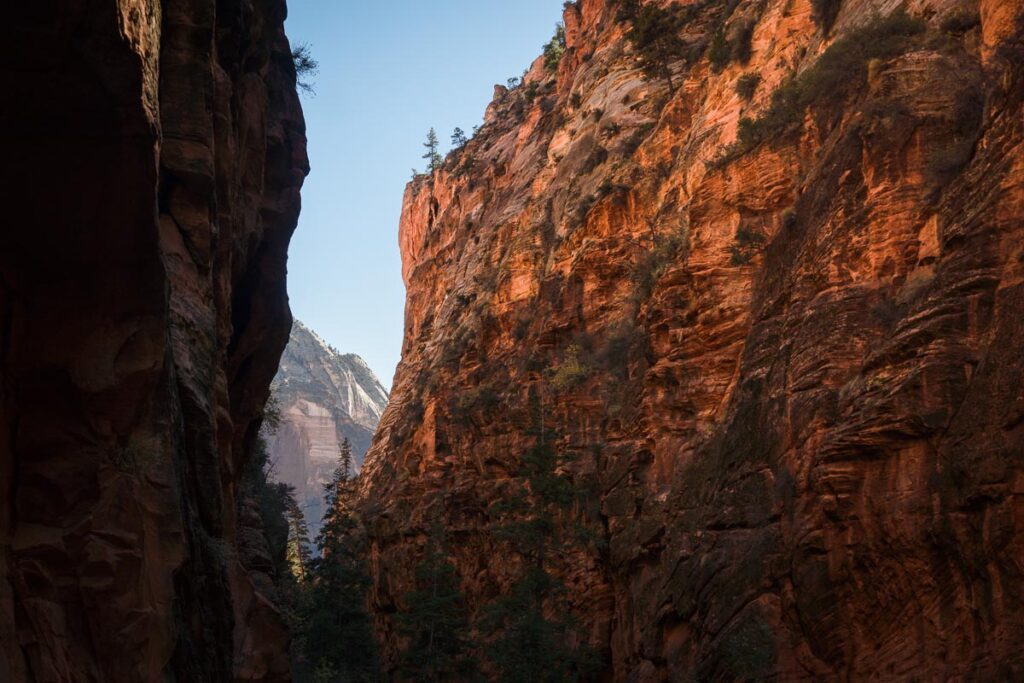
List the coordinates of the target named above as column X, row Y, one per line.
column 153, row 158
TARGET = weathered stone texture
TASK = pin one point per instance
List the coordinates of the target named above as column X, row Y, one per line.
column 802, row 409
column 153, row 158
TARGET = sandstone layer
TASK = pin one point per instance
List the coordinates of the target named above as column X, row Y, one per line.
column 324, row 397
column 154, row 153
column 790, row 371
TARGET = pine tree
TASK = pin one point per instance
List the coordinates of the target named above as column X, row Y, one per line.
column 534, row 647
column 458, row 138
column 431, row 155
column 338, row 629
column 297, row 556
column 534, row 632
column 654, row 35
column 346, row 465
column 305, row 67
column 555, row 48
column 720, row 51
column 435, row 622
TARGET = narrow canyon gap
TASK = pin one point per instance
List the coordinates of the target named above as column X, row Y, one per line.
column 729, row 317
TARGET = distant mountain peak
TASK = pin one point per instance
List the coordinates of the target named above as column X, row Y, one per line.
column 310, row 364
column 325, row 396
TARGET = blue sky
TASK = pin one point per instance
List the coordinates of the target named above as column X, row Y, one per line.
column 388, row 72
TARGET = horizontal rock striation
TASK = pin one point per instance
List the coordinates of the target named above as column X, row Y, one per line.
column 780, row 336
column 154, row 155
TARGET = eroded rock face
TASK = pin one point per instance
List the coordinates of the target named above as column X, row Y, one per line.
column 155, row 153
column 324, row 397
column 798, row 396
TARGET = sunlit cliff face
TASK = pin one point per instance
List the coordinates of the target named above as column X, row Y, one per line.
column 775, row 338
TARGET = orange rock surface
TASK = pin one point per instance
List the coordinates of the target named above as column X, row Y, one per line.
column 801, row 402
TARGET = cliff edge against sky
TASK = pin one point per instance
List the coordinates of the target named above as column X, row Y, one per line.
column 154, row 153
column 768, row 309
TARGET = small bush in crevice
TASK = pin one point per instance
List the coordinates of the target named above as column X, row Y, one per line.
column 960, row 21
column 479, row 399
column 608, row 188
column 947, row 162
column 530, row 91
column 747, row 84
column 583, row 209
column 655, row 262
column 840, row 70
column 748, row 242
column 555, row 48
column 742, row 48
column 789, row 220
column 737, row 47
column 747, row 650
column 636, row 138
column 824, row 13
column 133, row 459
column 620, row 340
column 571, row 371
column 719, row 52
column 412, row 417
column 597, row 156
column 522, row 327
column 455, row 349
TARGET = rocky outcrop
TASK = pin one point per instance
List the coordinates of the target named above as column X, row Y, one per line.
column 154, row 155
column 784, row 353
column 324, row 397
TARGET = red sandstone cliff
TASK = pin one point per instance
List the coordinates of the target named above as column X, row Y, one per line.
column 791, row 370
column 154, row 153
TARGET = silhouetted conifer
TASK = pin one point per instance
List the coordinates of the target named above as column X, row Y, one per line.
column 339, row 641
column 431, row 155
column 435, row 622
column 534, row 637
column 458, row 138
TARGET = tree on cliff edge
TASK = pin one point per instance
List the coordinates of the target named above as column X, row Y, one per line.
column 459, row 138
column 305, row 68
column 339, row 640
column 654, row 35
column 431, row 155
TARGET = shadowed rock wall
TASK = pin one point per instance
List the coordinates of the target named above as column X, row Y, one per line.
column 154, row 155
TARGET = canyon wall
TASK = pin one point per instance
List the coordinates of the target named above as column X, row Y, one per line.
column 154, row 153
column 324, row 397
column 779, row 338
